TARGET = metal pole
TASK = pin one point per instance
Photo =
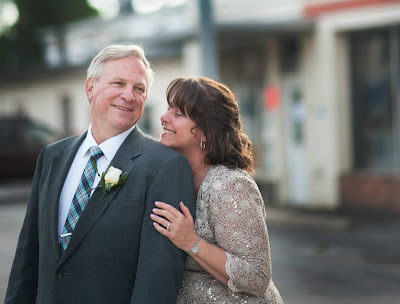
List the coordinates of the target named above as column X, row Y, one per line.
column 207, row 40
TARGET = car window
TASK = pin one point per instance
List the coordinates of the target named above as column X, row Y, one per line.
column 37, row 134
column 8, row 134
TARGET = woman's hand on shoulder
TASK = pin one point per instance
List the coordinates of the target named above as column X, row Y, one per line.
column 177, row 226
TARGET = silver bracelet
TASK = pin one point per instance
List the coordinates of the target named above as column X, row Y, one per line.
column 194, row 248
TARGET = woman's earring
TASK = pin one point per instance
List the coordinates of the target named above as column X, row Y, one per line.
column 202, row 145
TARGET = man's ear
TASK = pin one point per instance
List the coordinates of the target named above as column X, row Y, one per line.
column 89, row 88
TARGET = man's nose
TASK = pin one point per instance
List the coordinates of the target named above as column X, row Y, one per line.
column 128, row 95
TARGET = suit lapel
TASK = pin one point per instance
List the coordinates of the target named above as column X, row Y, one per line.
column 130, row 148
column 59, row 169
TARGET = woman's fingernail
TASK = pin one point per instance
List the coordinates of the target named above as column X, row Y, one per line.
column 152, row 215
column 157, row 203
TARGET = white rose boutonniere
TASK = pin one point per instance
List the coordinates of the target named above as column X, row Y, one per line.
column 112, row 176
column 111, row 179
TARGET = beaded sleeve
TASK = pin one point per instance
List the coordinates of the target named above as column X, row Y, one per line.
column 237, row 215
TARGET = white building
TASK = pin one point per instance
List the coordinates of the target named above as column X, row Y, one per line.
column 318, row 84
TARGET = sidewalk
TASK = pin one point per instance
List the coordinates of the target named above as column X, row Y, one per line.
column 15, row 191
column 289, row 216
column 375, row 236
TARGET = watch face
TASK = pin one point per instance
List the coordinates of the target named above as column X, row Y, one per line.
column 195, row 250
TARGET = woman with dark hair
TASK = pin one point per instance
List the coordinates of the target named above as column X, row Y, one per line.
column 229, row 256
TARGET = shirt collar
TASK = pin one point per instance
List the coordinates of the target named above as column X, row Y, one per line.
column 109, row 147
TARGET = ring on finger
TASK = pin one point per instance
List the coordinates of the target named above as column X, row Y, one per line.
column 168, row 225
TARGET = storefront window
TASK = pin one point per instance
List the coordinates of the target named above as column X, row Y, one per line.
column 242, row 70
column 374, row 104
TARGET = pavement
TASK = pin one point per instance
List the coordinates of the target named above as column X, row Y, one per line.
column 376, row 234
column 318, row 256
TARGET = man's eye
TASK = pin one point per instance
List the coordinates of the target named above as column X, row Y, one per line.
column 139, row 89
column 119, row 83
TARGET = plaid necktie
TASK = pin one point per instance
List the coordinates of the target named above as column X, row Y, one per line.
column 80, row 199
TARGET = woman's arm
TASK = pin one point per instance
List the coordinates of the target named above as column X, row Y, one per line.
column 236, row 213
column 182, row 234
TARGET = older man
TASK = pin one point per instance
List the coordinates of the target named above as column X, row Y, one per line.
column 87, row 236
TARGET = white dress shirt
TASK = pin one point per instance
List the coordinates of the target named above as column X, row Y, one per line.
column 109, row 148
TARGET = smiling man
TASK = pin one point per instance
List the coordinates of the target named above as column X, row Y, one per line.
column 79, row 244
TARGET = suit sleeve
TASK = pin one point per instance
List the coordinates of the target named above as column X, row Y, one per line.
column 161, row 264
column 23, row 280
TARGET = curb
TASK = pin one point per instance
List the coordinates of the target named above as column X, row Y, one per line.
column 287, row 217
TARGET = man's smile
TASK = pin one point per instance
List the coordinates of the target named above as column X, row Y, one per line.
column 122, row 108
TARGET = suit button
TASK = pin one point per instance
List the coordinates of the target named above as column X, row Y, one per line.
column 62, row 274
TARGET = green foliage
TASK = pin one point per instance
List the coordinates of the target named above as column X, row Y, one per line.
column 52, row 12
column 21, row 46
column 93, row 162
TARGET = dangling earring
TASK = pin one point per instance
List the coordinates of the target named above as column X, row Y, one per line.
column 202, row 145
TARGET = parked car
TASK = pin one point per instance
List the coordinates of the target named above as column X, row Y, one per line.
column 21, row 140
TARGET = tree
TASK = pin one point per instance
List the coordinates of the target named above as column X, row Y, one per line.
column 21, row 46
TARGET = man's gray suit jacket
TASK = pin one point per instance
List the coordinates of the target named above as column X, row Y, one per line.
column 115, row 254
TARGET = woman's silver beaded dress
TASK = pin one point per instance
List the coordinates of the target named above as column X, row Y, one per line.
column 230, row 213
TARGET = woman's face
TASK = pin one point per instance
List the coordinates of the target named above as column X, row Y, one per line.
column 179, row 132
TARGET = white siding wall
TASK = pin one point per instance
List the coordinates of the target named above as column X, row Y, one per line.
column 41, row 99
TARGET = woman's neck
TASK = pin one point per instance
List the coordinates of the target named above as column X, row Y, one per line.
column 199, row 171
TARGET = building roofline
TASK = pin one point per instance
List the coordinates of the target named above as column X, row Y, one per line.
column 286, row 27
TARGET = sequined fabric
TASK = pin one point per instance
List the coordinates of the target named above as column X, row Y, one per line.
column 230, row 213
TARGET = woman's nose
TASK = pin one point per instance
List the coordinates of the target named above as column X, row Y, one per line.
column 165, row 117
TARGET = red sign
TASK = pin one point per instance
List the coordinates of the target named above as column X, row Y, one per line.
column 316, row 8
column 271, row 97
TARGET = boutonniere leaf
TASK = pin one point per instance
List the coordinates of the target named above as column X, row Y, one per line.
column 113, row 178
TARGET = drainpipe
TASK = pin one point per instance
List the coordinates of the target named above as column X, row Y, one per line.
column 207, row 39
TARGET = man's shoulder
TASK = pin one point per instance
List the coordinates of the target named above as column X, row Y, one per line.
column 151, row 146
column 66, row 141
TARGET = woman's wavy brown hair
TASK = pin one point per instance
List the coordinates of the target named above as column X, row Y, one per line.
column 214, row 109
